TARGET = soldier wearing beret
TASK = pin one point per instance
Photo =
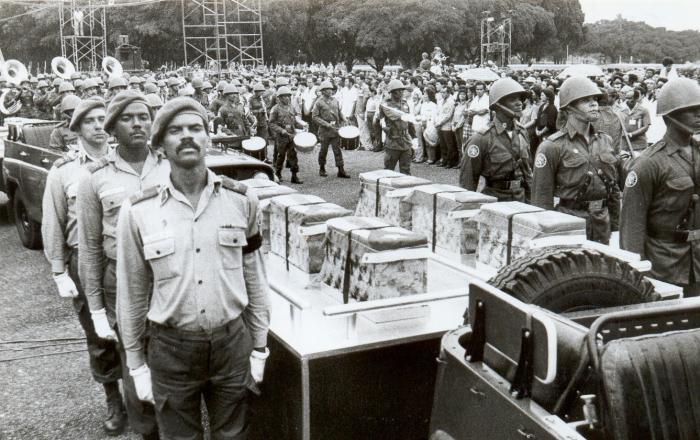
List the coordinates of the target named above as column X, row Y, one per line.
column 129, row 168
column 191, row 276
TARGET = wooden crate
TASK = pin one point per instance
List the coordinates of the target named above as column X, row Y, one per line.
column 375, row 184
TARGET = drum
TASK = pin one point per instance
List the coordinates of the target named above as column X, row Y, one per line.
column 255, row 147
column 349, row 137
column 304, row 142
column 430, row 135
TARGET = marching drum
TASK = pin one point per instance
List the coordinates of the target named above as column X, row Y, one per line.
column 349, row 137
column 304, row 142
column 255, row 147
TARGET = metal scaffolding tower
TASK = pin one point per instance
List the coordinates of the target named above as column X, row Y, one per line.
column 495, row 39
column 83, row 29
column 222, row 32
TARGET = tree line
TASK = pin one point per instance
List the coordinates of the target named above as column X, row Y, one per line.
column 369, row 31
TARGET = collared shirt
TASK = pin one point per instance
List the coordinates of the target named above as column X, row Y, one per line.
column 634, row 119
column 62, row 138
column 347, row 97
column 480, row 103
column 193, row 261
column 327, row 115
column 397, row 136
column 282, row 121
column 236, row 119
column 445, row 111
column 100, row 195
column 59, row 223
column 308, row 96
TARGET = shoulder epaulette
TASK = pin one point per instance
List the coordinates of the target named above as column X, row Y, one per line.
column 556, row 136
column 485, row 129
column 655, row 148
column 98, row 164
column 144, row 194
column 66, row 158
column 234, row 185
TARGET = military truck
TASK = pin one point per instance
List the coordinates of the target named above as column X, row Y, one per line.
column 27, row 160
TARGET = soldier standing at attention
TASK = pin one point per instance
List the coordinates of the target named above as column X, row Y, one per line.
column 191, row 275
column 326, row 114
column 660, row 217
column 398, row 146
column 578, row 164
column 129, row 168
column 283, row 119
column 500, row 152
column 259, row 110
column 63, row 138
column 60, row 237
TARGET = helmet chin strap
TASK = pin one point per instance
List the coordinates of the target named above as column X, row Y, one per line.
column 683, row 127
column 508, row 112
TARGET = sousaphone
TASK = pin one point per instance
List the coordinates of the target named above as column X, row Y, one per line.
column 112, row 67
column 62, row 67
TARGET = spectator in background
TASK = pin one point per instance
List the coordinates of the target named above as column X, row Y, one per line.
column 460, row 117
column 636, row 120
column 546, row 118
column 370, row 112
column 609, row 121
column 668, row 72
column 428, row 113
column 360, row 112
column 425, row 62
column 347, row 96
column 528, row 118
column 479, row 108
column 443, row 122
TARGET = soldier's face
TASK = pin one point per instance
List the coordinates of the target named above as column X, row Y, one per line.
column 92, row 127
column 232, row 98
column 133, row 126
column 513, row 104
column 690, row 117
column 285, row 99
column 185, row 141
column 587, row 109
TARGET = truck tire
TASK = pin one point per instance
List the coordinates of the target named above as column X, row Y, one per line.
column 29, row 231
column 566, row 279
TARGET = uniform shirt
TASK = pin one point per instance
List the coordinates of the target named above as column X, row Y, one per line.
column 100, row 195
column 191, row 263
column 282, row 122
column 562, row 162
column 326, row 114
column 397, row 136
column 216, row 104
column 202, row 98
column 610, row 123
column 236, row 119
column 62, row 138
column 634, row 119
column 258, row 110
column 657, row 194
column 480, row 103
column 59, row 223
column 497, row 155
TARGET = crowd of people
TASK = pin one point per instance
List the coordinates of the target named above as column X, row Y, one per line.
column 132, row 222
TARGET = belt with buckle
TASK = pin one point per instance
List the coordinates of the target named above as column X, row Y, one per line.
column 505, row 184
column 589, row 205
column 675, row 235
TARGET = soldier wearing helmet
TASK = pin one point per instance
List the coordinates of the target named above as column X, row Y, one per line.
column 500, row 152
column 62, row 138
column 115, row 85
column 234, row 115
column 327, row 115
column 173, row 87
column 258, row 108
column 578, row 164
column 90, row 88
column 41, row 100
column 219, row 100
column 283, row 120
column 397, row 148
column 660, row 216
column 199, row 95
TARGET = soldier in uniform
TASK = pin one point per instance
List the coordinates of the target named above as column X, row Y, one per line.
column 578, row 164
column 218, row 101
column 60, row 237
column 258, row 109
column 660, row 216
column 398, row 146
column 91, row 88
column 283, row 119
column 115, row 86
column 199, row 95
column 191, row 275
column 237, row 121
column 62, row 137
column 132, row 166
column 500, row 152
column 327, row 116
column 41, row 100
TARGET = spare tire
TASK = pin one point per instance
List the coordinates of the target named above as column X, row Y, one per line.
column 566, row 279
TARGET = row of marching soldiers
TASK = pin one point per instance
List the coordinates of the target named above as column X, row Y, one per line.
column 652, row 199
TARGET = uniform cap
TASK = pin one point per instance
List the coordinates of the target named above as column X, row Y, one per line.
column 171, row 109
column 82, row 109
column 120, row 102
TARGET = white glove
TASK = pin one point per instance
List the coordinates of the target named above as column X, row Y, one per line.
column 66, row 286
column 102, row 327
column 142, row 383
column 257, row 364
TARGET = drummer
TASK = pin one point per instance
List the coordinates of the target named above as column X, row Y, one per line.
column 233, row 114
column 283, row 119
column 327, row 115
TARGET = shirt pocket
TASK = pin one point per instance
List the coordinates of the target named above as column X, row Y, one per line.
column 160, row 254
column 573, row 161
column 680, row 190
column 112, row 198
column 231, row 242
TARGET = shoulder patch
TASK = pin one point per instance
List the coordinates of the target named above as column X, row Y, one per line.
column 540, row 160
column 144, row 194
column 67, row 158
column 98, row 164
column 234, row 185
column 473, row 151
column 556, row 136
column 631, row 180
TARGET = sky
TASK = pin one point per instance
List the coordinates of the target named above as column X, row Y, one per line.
column 674, row 15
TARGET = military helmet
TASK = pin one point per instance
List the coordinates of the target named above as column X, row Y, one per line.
column 74, row 76
column 172, row 81
column 258, row 87
column 150, row 88
column 117, row 81
column 231, row 89
column 42, row 84
column 206, row 85
column 221, row 85
column 186, row 91
column 33, row 80
column 284, row 90
column 197, row 83
column 326, row 85
column 154, row 100
column 79, row 83
column 281, row 81
column 70, row 102
column 56, row 82
column 575, row 88
column 502, row 88
column 90, row 83
column 395, row 84
column 678, row 94
column 66, row 86
column 134, row 80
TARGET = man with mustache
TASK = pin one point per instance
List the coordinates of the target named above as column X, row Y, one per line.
column 500, row 151
column 60, row 237
column 124, row 171
column 578, row 164
column 660, row 216
column 191, row 276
